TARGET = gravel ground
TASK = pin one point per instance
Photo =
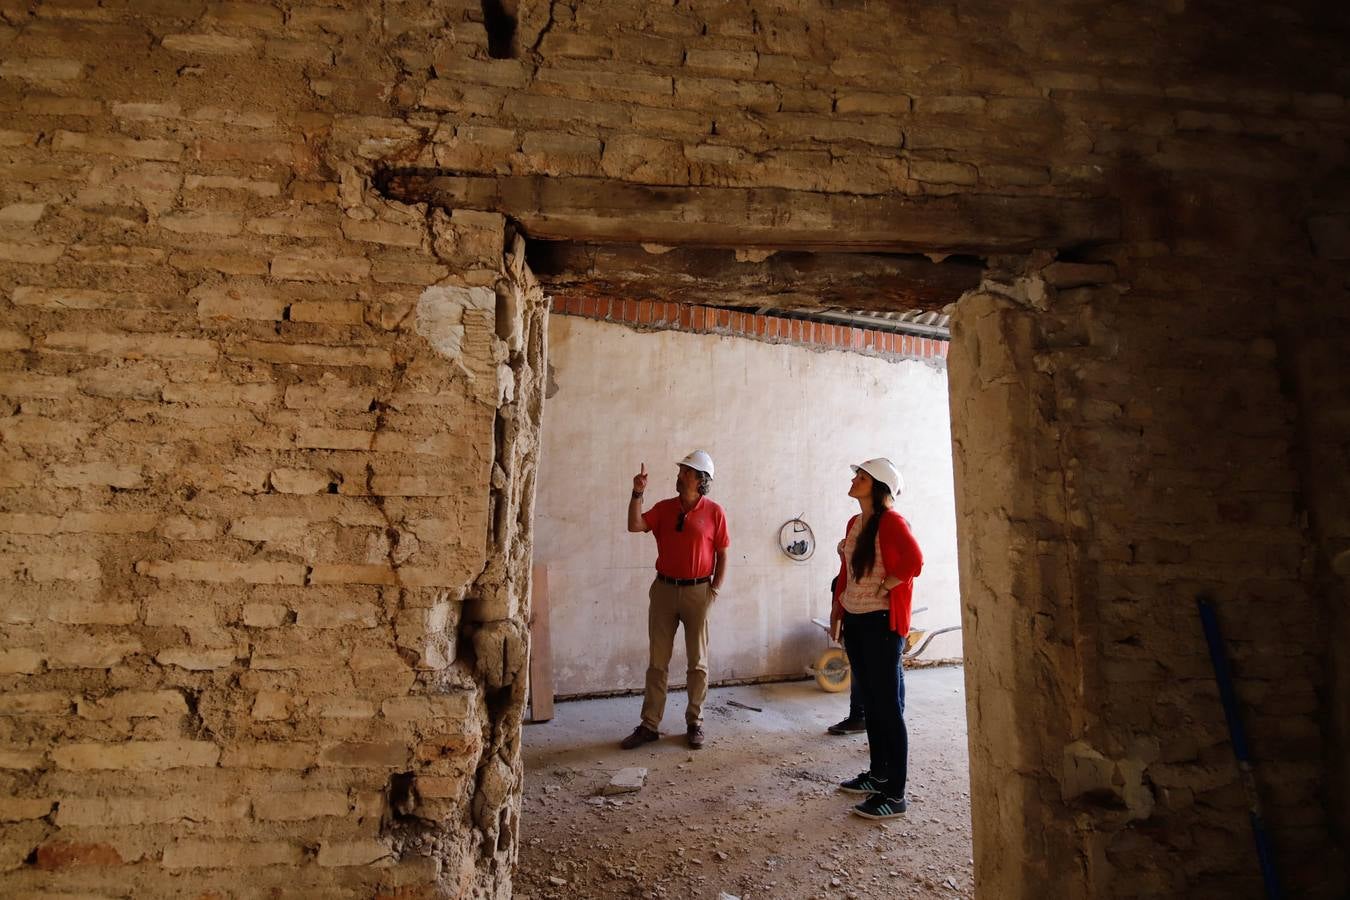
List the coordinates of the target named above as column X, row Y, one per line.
column 755, row 814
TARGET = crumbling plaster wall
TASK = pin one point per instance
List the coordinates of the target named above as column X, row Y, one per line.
column 227, row 413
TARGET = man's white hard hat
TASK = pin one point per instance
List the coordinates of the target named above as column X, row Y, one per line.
column 883, row 470
column 699, row 461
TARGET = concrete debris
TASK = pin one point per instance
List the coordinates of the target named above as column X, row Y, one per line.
column 626, row 781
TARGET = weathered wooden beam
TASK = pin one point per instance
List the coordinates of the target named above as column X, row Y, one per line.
column 605, row 210
column 786, row 280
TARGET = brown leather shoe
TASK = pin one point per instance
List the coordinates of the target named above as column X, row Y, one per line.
column 695, row 736
column 641, row 735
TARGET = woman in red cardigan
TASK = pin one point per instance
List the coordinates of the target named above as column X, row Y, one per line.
column 879, row 560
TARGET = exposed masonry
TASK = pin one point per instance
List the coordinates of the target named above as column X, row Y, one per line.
column 263, row 547
column 661, row 316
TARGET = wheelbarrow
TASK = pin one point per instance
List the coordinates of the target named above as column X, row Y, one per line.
column 831, row 670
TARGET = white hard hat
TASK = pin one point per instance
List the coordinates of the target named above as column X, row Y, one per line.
column 699, row 461
column 883, row 470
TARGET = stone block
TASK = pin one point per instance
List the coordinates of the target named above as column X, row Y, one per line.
column 334, row 439
column 22, row 760
column 299, row 481
column 183, row 528
column 66, row 854
column 327, row 269
column 39, row 69
column 207, row 222
column 265, row 615
column 271, row 706
column 127, row 346
column 366, row 755
column 342, row 707
column 20, row 661
column 942, row 172
column 120, row 812
column 869, row 103
column 257, row 187
column 411, row 486
column 31, row 254
column 136, row 755
column 49, row 567
column 109, row 474
column 89, row 654
column 41, row 703
column 329, row 312
column 317, row 355
column 269, row 755
column 299, row 806
column 722, row 63
column 197, row 659
column 331, row 394
column 340, row 614
column 130, row 148
column 209, row 45
column 354, row 853
column 223, row 854
column 128, row 704
column 333, row 573
column 222, row 571
column 22, row 809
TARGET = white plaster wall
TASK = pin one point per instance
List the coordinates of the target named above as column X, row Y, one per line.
column 782, row 423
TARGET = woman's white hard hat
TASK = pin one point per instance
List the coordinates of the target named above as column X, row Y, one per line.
column 883, row 470
column 699, row 461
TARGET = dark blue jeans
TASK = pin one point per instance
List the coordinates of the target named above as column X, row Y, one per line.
column 857, row 709
column 874, row 657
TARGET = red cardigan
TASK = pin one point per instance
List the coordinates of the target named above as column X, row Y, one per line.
column 900, row 558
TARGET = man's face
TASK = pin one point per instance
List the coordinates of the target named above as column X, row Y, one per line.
column 686, row 480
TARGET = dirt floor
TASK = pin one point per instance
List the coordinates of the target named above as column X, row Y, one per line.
column 755, row 814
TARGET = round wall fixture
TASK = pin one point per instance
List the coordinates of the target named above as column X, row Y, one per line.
column 796, row 540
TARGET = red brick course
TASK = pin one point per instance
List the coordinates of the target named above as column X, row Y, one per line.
column 662, row 316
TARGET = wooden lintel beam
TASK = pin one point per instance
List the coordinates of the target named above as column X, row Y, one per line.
column 786, row 279
column 607, row 210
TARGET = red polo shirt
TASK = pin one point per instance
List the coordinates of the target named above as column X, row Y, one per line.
column 689, row 552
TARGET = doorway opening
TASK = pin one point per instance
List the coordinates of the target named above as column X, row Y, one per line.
column 787, row 370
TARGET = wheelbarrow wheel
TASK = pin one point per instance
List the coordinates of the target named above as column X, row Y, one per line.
column 832, row 671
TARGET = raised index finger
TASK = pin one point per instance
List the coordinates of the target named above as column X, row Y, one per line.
column 644, row 469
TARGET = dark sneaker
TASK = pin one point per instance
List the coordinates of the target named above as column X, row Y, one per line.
column 848, row 726
column 641, row 735
column 695, row 737
column 862, row 784
column 879, row 806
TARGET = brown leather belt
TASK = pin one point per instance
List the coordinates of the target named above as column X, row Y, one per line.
column 683, row 582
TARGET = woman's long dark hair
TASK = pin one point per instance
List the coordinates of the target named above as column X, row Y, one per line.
column 865, row 551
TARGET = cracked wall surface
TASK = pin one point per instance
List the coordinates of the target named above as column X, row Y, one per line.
column 268, row 436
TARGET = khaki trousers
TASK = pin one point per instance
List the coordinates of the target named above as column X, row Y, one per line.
column 670, row 607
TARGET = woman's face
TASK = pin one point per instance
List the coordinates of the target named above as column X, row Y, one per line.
column 861, row 487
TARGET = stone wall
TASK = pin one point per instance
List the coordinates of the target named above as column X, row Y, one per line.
column 267, row 497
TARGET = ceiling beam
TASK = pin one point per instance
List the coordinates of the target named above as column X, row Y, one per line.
column 606, row 210
column 784, row 280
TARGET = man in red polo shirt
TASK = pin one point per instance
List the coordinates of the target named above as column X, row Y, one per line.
column 691, row 561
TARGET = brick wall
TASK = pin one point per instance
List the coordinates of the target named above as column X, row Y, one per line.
column 267, row 498
column 659, row 316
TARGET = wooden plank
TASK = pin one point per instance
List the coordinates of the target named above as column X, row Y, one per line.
column 785, row 280
column 541, row 648
column 605, row 210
